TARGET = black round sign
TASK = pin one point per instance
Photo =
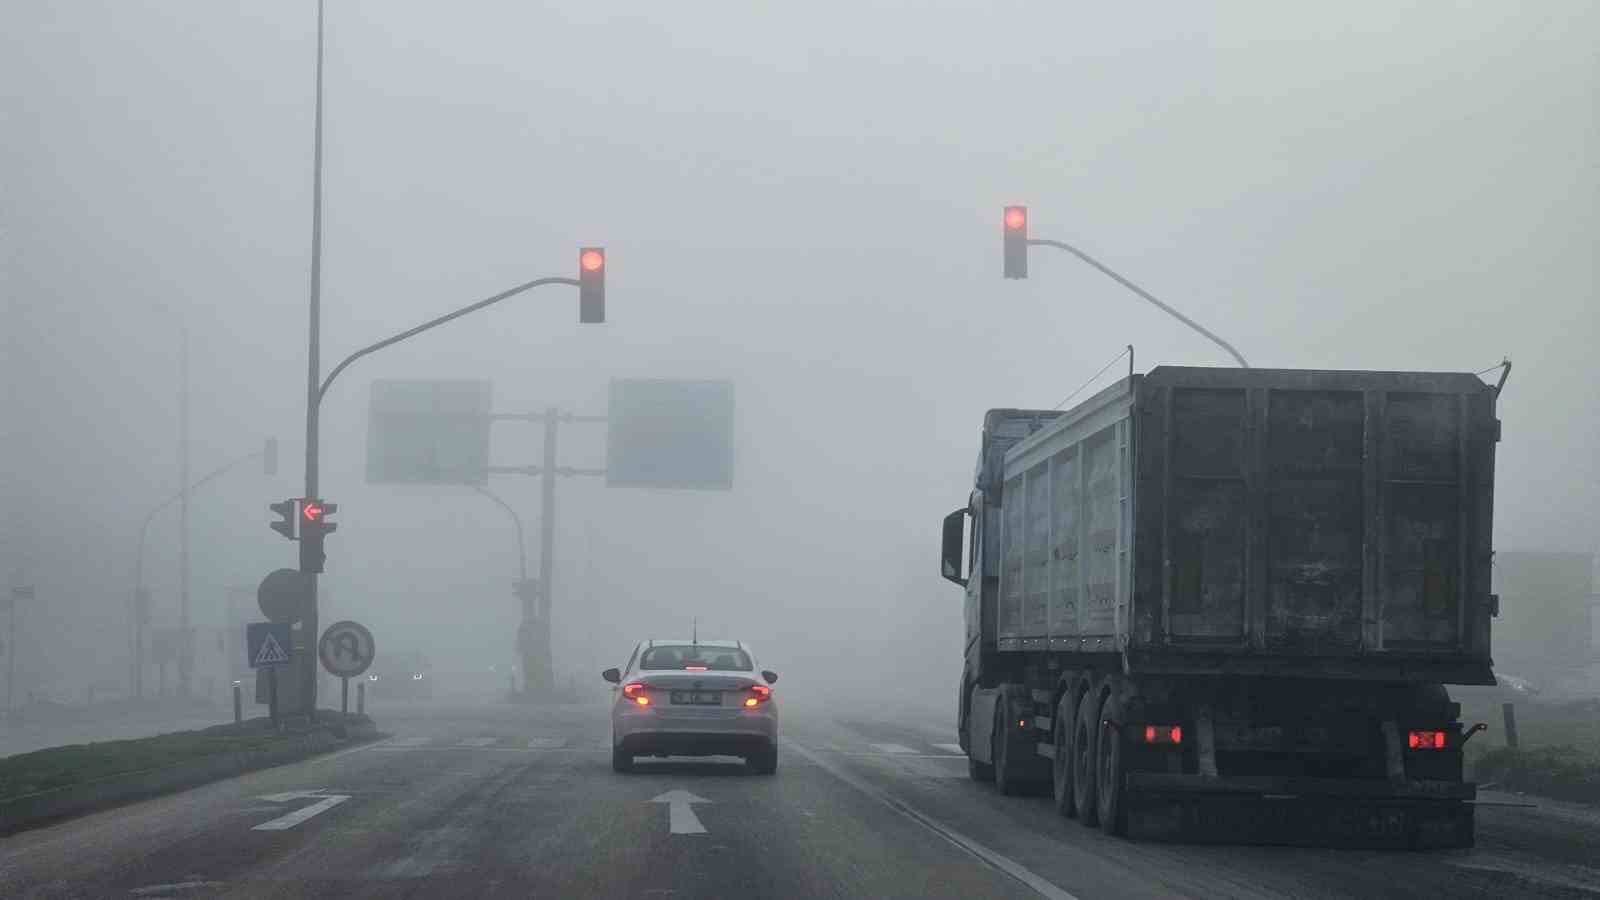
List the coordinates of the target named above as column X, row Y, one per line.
column 283, row 594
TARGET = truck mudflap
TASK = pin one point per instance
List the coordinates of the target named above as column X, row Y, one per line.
column 1323, row 812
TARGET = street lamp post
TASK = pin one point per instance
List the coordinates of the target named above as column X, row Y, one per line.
column 139, row 612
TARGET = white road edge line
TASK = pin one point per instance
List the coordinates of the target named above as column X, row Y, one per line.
column 372, row 745
column 892, row 748
column 952, row 748
column 1009, row 866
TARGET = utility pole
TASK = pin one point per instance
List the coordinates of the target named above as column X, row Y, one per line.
column 545, row 673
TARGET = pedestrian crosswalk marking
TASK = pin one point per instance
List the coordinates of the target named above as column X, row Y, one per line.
column 892, row 748
column 952, row 748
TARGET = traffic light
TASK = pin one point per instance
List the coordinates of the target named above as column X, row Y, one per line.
column 314, row 526
column 592, row 285
column 286, row 515
column 1016, row 241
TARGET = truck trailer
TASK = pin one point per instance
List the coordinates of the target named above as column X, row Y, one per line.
column 1216, row 604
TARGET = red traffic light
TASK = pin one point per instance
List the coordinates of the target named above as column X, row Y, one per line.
column 592, row 260
column 1016, row 218
column 311, row 510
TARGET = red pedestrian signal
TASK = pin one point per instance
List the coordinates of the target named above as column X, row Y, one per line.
column 591, row 285
column 1016, row 241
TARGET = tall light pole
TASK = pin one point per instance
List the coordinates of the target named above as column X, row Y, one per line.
column 308, row 681
column 186, row 647
column 1014, row 225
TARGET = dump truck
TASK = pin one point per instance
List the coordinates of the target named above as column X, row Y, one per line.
column 1215, row 604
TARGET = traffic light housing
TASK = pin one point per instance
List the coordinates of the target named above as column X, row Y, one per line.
column 592, row 285
column 286, row 518
column 1015, row 226
column 314, row 526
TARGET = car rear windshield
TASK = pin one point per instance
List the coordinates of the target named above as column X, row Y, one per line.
column 714, row 659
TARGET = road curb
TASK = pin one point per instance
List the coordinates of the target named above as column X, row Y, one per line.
column 33, row 810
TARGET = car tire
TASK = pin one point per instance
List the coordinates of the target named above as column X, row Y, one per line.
column 621, row 761
column 763, row 763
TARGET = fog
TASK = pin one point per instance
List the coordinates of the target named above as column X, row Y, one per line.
column 803, row 199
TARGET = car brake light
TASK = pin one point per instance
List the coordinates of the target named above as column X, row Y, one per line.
column 634, row 691
column 1163, row 734
column 761, row 694
column 1425, row 740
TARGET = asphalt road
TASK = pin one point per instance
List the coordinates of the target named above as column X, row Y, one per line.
column 500, row 801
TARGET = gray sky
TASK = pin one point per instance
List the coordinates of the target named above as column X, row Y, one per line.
column 800, row 197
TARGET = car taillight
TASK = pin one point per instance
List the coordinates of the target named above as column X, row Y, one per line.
column 1163, row 734
column 695, row 669
column 1425, row 740
column 759, row 694
column 634, row 691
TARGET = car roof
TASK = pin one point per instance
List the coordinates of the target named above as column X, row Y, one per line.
column 688, row 642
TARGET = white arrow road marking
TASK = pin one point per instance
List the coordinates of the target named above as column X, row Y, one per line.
column 324, row 803
column 892, row 748
column 951, row 748
column 680, row 812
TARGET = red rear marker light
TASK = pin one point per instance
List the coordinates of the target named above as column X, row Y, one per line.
column 1426, row 740
column 1163, row 734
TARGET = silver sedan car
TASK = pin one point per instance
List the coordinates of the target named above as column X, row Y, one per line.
column 693, row 698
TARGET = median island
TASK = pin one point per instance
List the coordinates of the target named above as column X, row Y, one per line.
column 59, row 782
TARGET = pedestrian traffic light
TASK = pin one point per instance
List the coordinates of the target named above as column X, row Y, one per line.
column 1015, row 226
column 314, row 526
column 592, row 285
column 285, row 523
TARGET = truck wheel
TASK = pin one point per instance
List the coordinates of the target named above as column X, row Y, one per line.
column 977, row 771
column 1005, row 768
column 1109, row 805
column 1083, row 759
column 1061, row 766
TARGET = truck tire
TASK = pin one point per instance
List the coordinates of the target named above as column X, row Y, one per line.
column 977, row 771
column 1061, row 766
column 1084, row 764
column 1005, row 768
column 1109, row 804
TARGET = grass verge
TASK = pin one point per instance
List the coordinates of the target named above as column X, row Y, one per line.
column 59, row 767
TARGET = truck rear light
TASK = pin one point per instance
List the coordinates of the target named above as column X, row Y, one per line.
column 1163, row 734
column 759, row 694
column 1426, row 740
column 634, row 691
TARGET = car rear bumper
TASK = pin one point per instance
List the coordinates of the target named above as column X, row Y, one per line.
column 669, row 732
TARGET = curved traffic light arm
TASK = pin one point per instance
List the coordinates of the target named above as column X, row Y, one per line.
column 434, row 323
column 1143, row 293
column 209, row 477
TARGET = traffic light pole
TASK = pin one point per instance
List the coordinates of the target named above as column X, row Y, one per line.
column 538, row 673
column 1059, row 245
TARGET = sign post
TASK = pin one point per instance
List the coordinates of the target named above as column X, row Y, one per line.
column 269, row 645
column 346, row 650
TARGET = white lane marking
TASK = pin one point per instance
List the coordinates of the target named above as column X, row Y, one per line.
column 951, row 748
column 374, row 745
column 477, row 741
column 283, row 823
column 1009, row 866
column 546, row 743
column 605, row 744
column 680, row 812
column 155, row 889
column 892, row 748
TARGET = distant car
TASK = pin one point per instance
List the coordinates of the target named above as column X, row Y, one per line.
column 405, row 675
column 693, row 698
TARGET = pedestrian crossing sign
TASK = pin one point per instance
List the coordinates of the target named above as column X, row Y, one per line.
column 267, row 644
